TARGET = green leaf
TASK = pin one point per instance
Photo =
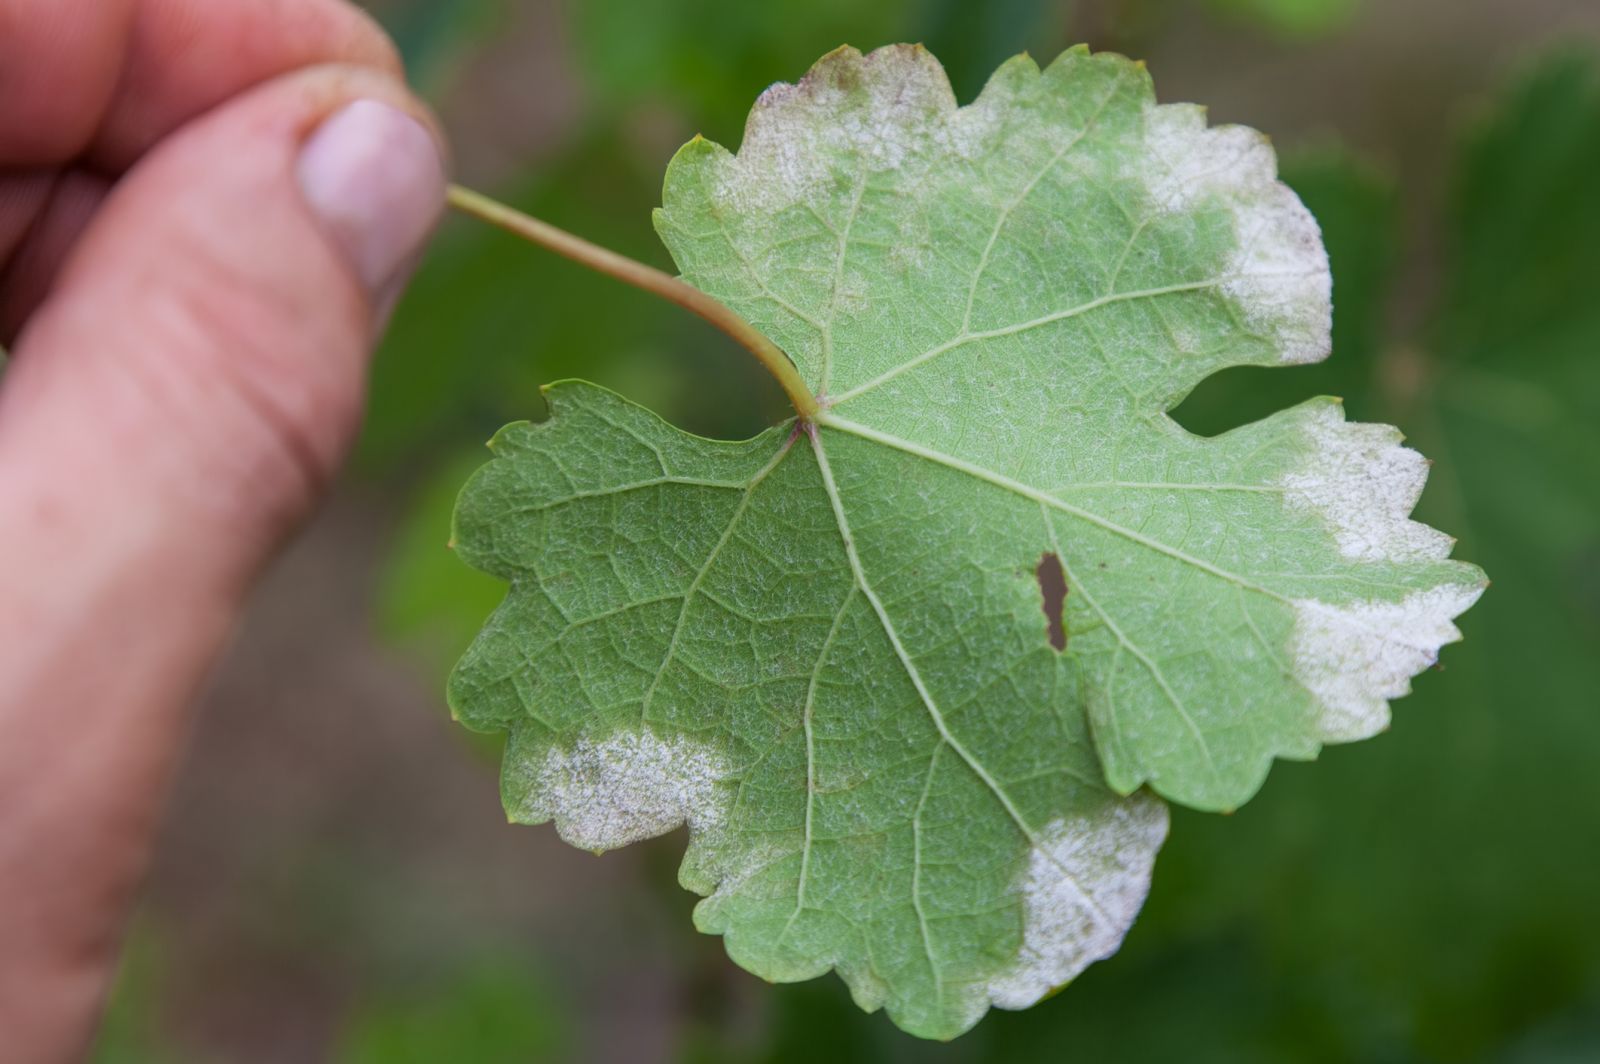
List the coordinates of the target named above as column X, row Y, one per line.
column 826, row 648
column 1022, row 354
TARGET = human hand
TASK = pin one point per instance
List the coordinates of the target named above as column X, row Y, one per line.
column 206, row 210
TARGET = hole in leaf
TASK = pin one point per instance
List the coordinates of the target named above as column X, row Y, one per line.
column 1053, row 597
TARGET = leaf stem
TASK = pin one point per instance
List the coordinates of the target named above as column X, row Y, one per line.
column 650, row 279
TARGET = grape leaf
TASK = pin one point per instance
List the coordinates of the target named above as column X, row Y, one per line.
column 824, row 648
column 1018, row 291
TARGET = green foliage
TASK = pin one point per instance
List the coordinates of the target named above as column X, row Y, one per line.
column 493, row 1014
column 705, row 54
column 1294, row 18
column 131, row 1031
column 427, row 600
column 823, row 647
column 708, row 58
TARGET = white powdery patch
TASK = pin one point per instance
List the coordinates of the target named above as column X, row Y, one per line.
column 890, row 110
column 1084, row 884
column 1364, row 484
column 1278, row 274
column 628, row 786
column 1354, row 658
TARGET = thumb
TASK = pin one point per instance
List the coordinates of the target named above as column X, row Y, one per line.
column 214, row 322
column 172, row 408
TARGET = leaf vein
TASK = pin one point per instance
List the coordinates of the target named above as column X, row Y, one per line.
column 915, row 676
column 694, row 585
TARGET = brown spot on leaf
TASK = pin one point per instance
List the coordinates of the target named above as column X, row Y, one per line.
column 1053, row 597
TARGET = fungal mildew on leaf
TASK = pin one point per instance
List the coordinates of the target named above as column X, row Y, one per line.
column 822, row 648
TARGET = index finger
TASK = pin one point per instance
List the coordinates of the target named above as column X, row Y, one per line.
column 100, row 81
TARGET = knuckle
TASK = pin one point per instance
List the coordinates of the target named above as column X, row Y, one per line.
column 268, row 393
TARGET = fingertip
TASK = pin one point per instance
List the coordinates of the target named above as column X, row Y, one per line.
column 373, row 176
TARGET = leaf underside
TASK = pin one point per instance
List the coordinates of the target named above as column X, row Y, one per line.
column 823, row 648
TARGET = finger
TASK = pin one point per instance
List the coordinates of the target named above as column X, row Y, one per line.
column 57, row 207
column 185, row 56
column 48, row 118
column 172, row 408
column 141, row 68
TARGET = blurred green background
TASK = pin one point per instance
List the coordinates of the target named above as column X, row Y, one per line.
column 337, row 881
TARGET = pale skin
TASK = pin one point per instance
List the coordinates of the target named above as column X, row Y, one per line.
column 189, row 343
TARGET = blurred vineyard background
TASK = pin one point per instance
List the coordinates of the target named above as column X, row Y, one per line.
column 337, row 882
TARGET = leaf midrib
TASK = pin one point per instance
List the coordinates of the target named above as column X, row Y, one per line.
column 947, row 737
column 829, row 420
